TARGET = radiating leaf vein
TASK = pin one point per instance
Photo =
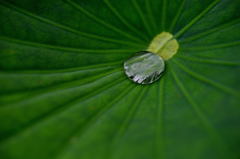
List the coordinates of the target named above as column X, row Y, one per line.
column 176, row 18
column 204, row 120
column 207, row 32
column 61, row 108
column 64, row 49
column 102, row 22
column 83, row 129
column 208, row 81
column 210, row 61
column 196, row 19
column 66, row 28
column 122, row 19
column 159, row 120
column 142, row 16
column 216, row 46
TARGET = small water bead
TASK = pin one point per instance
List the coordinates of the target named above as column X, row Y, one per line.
column 145, row 67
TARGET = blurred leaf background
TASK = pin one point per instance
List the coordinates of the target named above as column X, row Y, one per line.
column 64, row 95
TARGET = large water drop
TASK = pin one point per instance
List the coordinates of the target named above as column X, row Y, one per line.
column 145, row 67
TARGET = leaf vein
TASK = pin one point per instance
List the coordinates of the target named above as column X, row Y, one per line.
column 208, row 81
column 64, row 27
column 196, row 19
column 60, row 109
column 98, row 20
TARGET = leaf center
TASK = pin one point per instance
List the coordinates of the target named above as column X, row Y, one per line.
column 164, row 45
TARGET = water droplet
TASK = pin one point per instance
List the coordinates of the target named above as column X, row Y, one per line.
column 145, row 67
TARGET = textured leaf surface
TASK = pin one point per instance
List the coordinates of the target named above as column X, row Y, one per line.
column 63, row 93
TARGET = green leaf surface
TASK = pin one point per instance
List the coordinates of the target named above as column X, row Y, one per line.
column 64, row 95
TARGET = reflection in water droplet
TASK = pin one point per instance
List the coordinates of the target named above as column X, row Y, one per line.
column 144, row 68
